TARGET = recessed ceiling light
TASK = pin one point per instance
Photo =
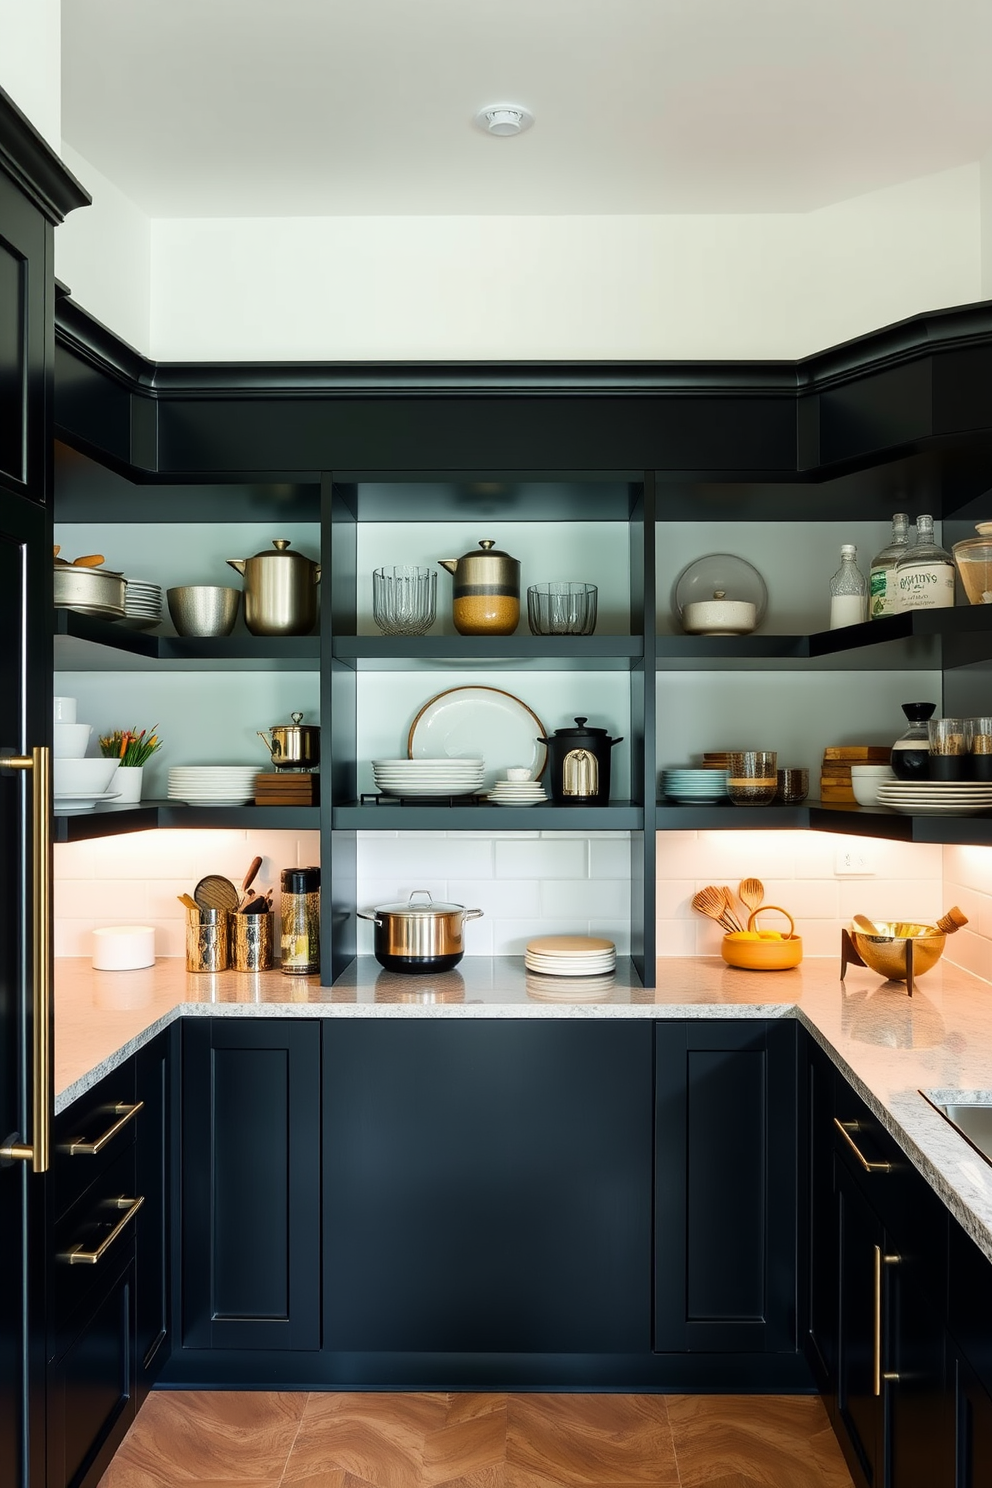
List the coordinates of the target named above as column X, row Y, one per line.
column 504, row 119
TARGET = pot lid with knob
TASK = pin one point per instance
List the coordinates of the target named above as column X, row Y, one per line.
column 581, row 731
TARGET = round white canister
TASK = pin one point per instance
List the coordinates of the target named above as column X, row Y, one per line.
column 123, row 947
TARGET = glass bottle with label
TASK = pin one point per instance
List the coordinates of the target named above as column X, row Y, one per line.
column 925, row 572
column 848, row 591
column 883, row 595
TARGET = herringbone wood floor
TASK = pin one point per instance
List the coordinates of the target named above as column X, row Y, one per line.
column 234, row 1439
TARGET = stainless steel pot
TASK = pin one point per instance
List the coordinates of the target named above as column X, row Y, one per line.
column 420, row 936
column 90, row 591
column 280, row 590
column 293, row 746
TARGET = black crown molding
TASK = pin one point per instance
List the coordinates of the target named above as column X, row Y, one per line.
column 906, row 341
column 34, row 166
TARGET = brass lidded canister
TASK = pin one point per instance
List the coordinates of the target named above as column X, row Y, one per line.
column 486, row 593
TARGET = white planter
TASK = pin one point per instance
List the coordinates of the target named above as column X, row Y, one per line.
column 127, row 780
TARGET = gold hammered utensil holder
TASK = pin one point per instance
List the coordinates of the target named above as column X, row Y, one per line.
column 251, row 942
column 208, row 934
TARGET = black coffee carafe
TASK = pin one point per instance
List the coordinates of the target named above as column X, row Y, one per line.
column 579, row 765
column 910, row 757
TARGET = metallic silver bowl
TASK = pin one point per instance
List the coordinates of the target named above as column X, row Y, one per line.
column 203, row 609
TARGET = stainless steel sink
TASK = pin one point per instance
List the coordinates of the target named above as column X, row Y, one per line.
column 969, row 1112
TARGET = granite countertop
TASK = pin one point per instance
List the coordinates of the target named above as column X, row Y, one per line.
column 888, row 1045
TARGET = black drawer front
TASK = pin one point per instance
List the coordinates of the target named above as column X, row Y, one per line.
column 87, row 1123
column 86, row 1230
column 914, row 1218
column 91, row 1382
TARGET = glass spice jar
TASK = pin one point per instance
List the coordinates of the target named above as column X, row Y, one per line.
column 300, row 921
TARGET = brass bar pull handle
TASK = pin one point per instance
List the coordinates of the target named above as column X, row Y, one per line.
column 90, row 1149
column 38, row 1150
column 876, row 1372
column 845, row 1128
column 79, row 1257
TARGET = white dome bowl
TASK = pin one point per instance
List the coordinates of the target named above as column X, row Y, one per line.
column 83, row 777
column 69, row 740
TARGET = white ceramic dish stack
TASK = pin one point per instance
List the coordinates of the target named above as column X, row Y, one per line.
column 571, row 955
column 428, row 777
column 212, row 785
column 78, row 784
column 936, row 797
column 142, row 605
column 518, row 793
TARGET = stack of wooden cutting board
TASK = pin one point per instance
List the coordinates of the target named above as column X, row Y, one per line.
column 287, row 788
column 835, row 772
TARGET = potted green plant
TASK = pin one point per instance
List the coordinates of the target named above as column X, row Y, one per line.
column 132, row 749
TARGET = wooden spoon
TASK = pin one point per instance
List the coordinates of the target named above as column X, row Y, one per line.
column 248, row 880
column 866, row 926
column 91, row 560
column 952, row 920
column 751, row 893
column 188, row 902
column 712, row 901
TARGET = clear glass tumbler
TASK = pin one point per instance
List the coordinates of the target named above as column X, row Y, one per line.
column 564, row 608
column 404, row 599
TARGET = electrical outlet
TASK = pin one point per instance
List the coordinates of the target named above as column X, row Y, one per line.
column 853, row 860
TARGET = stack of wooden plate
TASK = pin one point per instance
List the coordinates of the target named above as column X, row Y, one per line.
column 570, row 955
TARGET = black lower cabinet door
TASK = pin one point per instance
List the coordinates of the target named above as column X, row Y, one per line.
column 861, row 1267
column 487, row 1186
column 725, row 1190
column 251, row 1183
column 821, row 1244
column 919, row 1398
column 90, row 1388
column 973, row 1428
column 152, row 1073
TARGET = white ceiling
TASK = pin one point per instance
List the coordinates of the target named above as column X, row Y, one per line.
column 364, row 107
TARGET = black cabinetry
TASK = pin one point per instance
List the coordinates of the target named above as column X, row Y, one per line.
column 487, row 1187
column 251, row 1184
column 480, row 1203
column 725, row 1194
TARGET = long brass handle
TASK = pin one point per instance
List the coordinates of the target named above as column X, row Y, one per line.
column 90, row 1149
column 79, row 1257
column 877, row 1375
column 845, row 1128
column 876, row 1372
column 38, row 1150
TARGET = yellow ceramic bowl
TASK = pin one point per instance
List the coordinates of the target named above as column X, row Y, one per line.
column 763, row 955
column 885, row 953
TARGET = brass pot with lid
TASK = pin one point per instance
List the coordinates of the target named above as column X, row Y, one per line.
column 486, row 593
column 280, row 590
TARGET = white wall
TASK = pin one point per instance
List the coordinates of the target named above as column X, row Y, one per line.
column 103, row 253
column 31, row 62
column 570, row 287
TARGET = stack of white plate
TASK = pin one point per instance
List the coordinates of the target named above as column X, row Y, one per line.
column 142, row 605
column 518, row 793
column 212, row 785
column 936, row 797
column 570, row 955
column 701, row 787
column 428, row 777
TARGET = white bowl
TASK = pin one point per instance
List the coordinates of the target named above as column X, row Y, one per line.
column 872, row 772
column 69, row 740
column 866, row 788
column 719, row 617
column 82, row 777
column 64, row 709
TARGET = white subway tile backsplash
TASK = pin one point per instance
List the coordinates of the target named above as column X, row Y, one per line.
column 570, row 897
column 435, row 857
column 972, row 952
column 513, row 935
column 675, row 937
column 563, row 859
column 609, row 858
column 883, row 900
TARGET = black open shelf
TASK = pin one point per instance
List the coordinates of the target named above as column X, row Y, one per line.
column 595, row 653
column 113, row 821
column 620, row 816
column 817, row 816
column 87, row 643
